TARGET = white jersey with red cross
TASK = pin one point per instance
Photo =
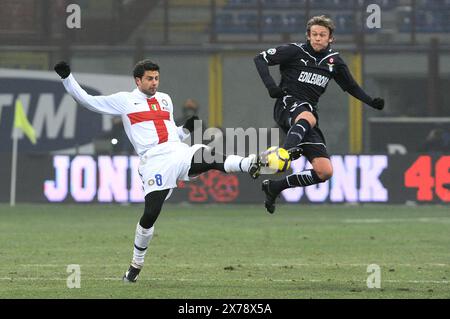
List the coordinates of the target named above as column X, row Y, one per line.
column 147, row 120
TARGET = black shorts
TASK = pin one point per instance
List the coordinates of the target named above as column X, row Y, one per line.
column 286, row 110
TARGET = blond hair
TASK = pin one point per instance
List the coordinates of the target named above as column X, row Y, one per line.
column 322, row 21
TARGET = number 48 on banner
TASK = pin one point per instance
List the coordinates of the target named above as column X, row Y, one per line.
column 419, row 175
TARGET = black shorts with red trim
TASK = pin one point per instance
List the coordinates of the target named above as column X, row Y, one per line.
column 286, row 110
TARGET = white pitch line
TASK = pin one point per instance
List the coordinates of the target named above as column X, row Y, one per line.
column 243, row 279
column 398, row 220
column 419, row 281
column 239, row 265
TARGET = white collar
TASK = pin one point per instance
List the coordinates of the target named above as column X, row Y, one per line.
column 141, row 94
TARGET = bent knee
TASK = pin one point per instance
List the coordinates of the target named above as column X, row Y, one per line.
column 325, row 173
column 306, row 115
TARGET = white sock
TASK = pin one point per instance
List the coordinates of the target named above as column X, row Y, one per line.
column 141, row 241
column 236, row 163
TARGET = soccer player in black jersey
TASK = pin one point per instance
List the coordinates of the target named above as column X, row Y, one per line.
column 305, row 72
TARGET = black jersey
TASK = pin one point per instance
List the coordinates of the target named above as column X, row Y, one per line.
column 305, row 73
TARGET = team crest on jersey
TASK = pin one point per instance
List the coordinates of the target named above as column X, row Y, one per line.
column 153, row 107
column 331, row 64
column 272, row 51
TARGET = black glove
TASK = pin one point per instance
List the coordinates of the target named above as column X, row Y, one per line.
column 377, row 103
column 189, row 125
column 276, row 92
column 63, row 69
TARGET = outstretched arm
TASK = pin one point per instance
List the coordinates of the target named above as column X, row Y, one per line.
column 347, row 83
column 112, row 104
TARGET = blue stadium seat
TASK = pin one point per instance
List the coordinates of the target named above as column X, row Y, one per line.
column 321, row 4
column 404, row 22
column 340, row 4
column 334, row 5
column 389, row 4
column 433, row 4
column 272, row 23
column 446, row 19
column 289, row 4
column 384, row 4
column 224, row 23
column 240, row 23
column 247, row 23
column 429, row 21
column 294, row 22
column 242, row 3
column 344, row 23
column 439, row 21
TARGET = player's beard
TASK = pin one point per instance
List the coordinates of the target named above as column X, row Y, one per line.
column 150, row 91
column 319, row 47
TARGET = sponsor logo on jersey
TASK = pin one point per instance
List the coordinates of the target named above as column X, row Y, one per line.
column 272, row 51
column 165, row 102
column 304, row 61
column 313, row 78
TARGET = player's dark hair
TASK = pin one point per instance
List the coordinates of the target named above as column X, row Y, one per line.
column 142, row 66
column 322, row 21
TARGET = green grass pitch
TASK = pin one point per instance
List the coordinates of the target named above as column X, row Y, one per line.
column 227, row 251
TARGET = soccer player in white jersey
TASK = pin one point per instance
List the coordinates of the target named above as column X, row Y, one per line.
column 147, row 117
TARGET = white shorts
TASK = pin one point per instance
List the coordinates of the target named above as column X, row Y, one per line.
column 162, row 166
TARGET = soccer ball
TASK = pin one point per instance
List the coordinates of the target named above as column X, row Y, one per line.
column 276, row 159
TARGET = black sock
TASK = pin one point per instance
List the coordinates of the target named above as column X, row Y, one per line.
column 199, row 164
column 305, row 178
column 296, row 134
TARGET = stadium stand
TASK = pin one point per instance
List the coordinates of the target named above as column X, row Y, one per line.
column 289, row 16
column 196, row 21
